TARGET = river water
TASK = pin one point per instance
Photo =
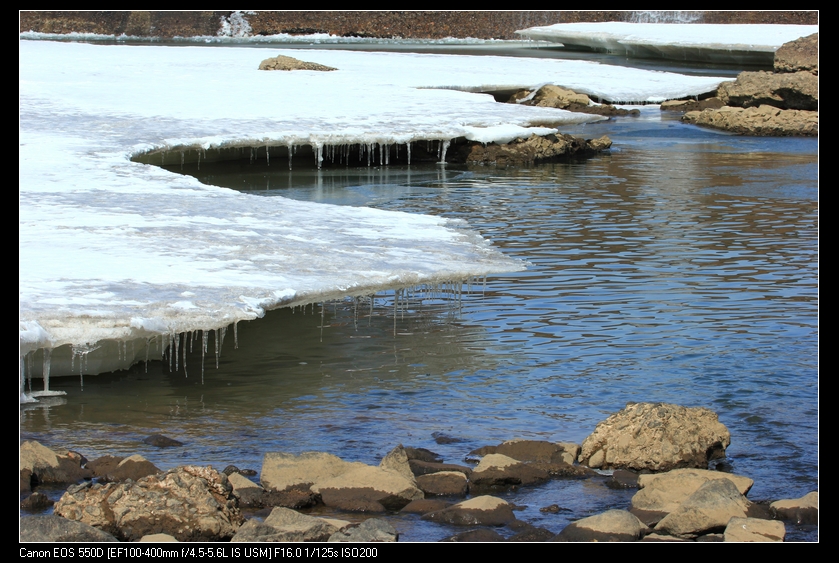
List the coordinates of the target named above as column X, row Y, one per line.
column 682, row 267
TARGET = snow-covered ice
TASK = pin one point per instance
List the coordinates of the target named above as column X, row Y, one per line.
column 114, row 251
column 733, row 42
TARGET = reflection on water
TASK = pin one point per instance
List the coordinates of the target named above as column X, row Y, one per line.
column 682, row 267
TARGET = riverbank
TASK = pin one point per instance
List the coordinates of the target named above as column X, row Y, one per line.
column 389, row 24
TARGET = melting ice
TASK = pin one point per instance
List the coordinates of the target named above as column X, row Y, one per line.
column 119, row 258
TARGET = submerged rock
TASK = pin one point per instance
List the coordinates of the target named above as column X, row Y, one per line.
column 804, row 510
column 478, row 511
column 657, row 437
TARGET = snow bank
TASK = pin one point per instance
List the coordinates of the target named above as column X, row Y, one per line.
column 117, row 251
column 720, row 42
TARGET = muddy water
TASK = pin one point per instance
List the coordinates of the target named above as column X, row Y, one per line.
column 681, row 267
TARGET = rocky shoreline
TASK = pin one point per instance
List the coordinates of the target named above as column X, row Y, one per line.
column 662, row 450
column 376, row 24
column 779, row 104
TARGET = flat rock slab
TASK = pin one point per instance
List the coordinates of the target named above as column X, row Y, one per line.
column 610, row 526
column 479, row 511
column 804, row 510
column 281, row 62
column 283, row 471
column 754, row 530
column 57, row 529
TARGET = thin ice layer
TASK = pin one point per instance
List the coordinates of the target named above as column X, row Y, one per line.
column 116, row 250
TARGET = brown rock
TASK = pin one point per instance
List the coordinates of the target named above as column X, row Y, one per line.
column 665, row 492
column 190, row 503
column 40, row 464
column 763, row 121
column 804, row 510
column 801, row 54
column 656, row 436
column 610, row 526
column 531, row 150
column 281, row 62
column 452, row 483
column 692, row 105
column 798, row 90
column 111, row 468
column 478, row 511
column 754, row 530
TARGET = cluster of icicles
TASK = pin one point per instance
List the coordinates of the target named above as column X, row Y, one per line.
column 176, row 345
column 340, row 152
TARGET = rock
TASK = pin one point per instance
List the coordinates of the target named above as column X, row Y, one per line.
column 442, row 438
column 497, row 470
column 111, row 468
column 57, row 529
column 158, row 538
column 422, row 454
column 709, row 509
column 804, row 510
column 798, row 90
column 692, row 105
column 40, row 464
column 424, row 506
column 479, row 535
column 161, row 441
column 623, row 479
column 754, row 530
column 526, row 532
column 763, row 121
column 611, row 526
column 36, row 502
column 281, row 62
column 286, row 525
column 371, row 530
column 367, row 488
column 538, row 450
column 550, row 96
column 801, row 54
column 549, row 148
column 282, row 471
column 665, row 492
column 397, row 460
column 478, row 511
column 452, row 483
column 190, row 503
column 657, row 437
column 426, row 467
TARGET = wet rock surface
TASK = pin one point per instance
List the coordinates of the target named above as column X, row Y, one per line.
column 782, row 103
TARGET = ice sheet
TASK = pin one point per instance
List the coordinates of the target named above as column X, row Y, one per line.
column 116, row 250
column 674, row 40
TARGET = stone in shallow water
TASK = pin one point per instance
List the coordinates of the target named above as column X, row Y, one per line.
column 656, row 436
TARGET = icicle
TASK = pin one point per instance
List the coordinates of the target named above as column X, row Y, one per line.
column 387, row 154
column 30, row 357
column 236, row 335
column 147, row 354
column 46, row 372
column 381, row 155
column 217, row 346
column 199, row 160
column 183, row 353
column 318, row 155
column 182, row 160
column 203, row 351
column 290, row 152
column 177, row 340
column 322, row 309
column 409, row 153
column 443, row 149
column 267, row 156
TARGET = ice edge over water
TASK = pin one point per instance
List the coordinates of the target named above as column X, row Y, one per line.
column 115, row 252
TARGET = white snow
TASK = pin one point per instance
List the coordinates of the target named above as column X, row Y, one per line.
column 116, row 251
column 672, row 40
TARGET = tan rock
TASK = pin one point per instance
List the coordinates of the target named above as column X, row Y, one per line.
column 754, row 530
column 282, row 471
column 798, row 90
column 612, row 525
column 281, row 62
column 708, row 509
column 804, row 510
column 801, row 54
column 665, row 492
column 397, row 460
column 763, row 121
column 657, row 437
